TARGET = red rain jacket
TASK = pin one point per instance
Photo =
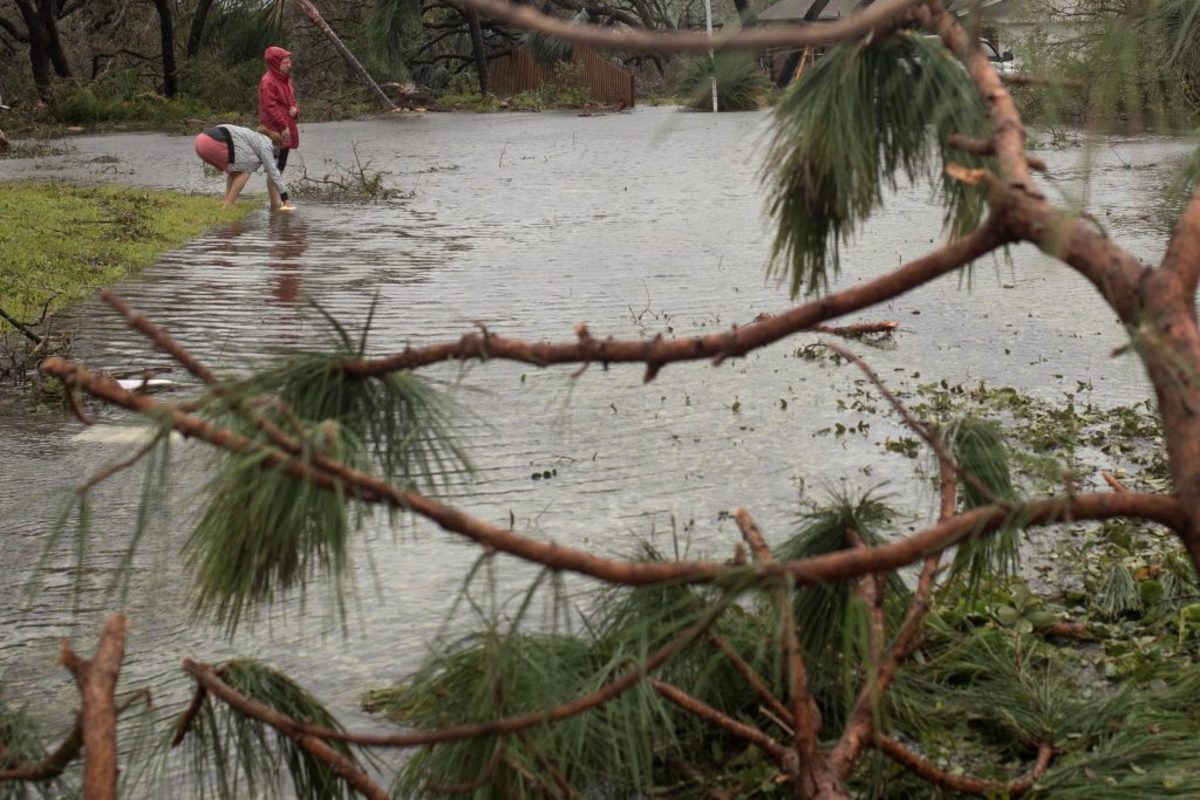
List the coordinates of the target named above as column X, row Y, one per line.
column 276, row 96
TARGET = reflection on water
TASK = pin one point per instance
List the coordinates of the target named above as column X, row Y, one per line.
column 639, row 224
column 289, row 242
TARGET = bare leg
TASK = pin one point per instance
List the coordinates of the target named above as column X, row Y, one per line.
column 237, row 182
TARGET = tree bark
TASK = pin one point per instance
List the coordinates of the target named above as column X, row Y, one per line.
column 481, row 65
column 97, row 680
column 315, row 17
column 196, row 32
column 49, row 14
column 39, row 57
column 167, row 33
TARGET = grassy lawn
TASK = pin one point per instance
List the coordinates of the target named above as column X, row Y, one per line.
column 60, row 243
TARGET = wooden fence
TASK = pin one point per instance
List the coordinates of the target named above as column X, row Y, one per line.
column 516, row 71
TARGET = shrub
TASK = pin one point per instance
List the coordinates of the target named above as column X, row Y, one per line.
column 741, row 86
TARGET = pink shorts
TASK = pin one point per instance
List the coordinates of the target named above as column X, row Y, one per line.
column 214, row 153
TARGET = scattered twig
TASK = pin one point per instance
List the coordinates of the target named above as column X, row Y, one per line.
column 935, row 443
column 753, row 679
column 781, row 755
column 930, row 772
column 1112, row 481
column 861, row 726
column 560, row 780
column 184, row 724
column 20, row 326
column 805, row 715
column 1075, row 630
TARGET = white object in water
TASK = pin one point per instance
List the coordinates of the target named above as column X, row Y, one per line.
column 115, row 434
column 143, row 385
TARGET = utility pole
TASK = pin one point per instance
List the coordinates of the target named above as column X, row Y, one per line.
column 711, row 59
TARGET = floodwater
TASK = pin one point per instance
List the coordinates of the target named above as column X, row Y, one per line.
column 638, row 224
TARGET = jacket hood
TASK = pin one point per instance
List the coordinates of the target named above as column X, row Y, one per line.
column 274, row 56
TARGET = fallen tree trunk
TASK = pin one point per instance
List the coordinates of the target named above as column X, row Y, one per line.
column 315, row 16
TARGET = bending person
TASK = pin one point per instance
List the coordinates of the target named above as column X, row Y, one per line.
column 239, row 152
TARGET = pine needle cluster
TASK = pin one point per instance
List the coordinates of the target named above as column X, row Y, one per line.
column 861, row 120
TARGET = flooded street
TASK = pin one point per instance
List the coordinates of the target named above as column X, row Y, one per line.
column 638, row 224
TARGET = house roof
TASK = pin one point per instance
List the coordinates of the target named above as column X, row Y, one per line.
column 796, row 10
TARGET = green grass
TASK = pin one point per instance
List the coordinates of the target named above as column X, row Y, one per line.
column 60, row 242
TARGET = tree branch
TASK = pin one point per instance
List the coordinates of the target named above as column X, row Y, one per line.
column 53, row 764
column 840, row 565
column 737, row 342
column 935, row 443
column 860, row 728
column 506, row 725
column 1183, row 252
column 978, row 786
column 97, row 680
column 877, row 16
column 782, row 756
column 753, row 679
column 207, row 677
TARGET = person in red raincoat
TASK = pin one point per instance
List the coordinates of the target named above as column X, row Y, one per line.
column 277, row 108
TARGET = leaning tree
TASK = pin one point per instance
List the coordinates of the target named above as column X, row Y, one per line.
column 815, row 665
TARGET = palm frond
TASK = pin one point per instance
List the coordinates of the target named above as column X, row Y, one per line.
column 243, row 29
column 741, row 85
column 392, row 28
column 861, row 119
column 546, row 50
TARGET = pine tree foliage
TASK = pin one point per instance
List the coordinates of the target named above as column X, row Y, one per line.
column 262, row 532
column 861, row 120
column 830, row 616
column 24, row 744
column 503, row 670
column 980, row 686
column 232, row 756
column 979, row 449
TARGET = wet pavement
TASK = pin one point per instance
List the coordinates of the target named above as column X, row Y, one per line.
column 638, row 224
